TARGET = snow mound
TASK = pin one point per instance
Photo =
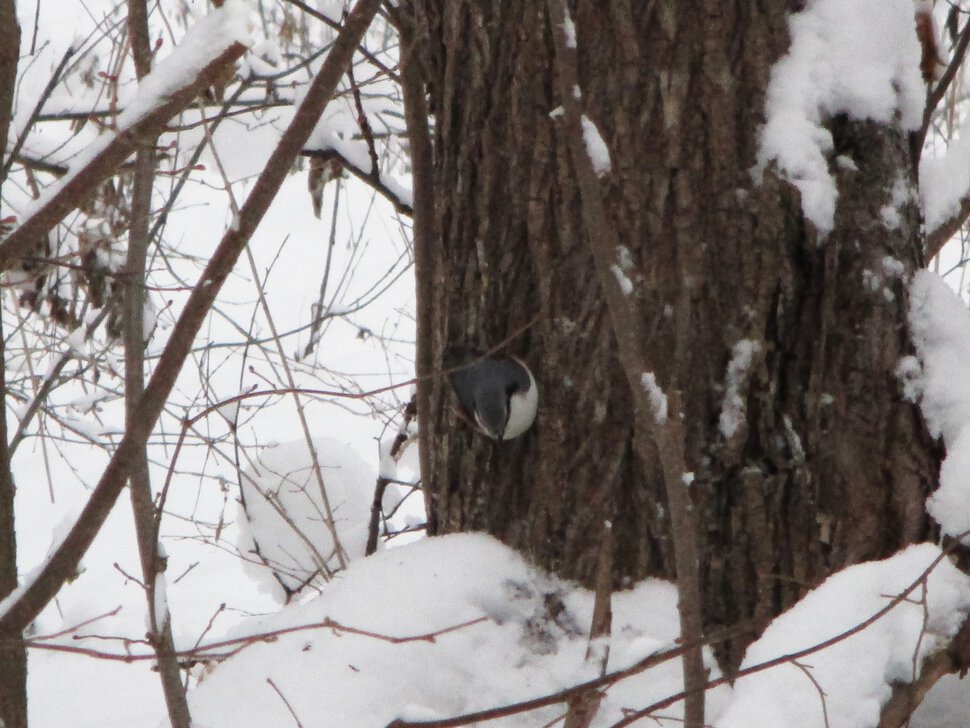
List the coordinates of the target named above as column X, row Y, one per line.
column 283, row 517
column 532, row 641
column 855, row 674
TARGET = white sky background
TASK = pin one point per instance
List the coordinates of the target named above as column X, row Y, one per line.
column 420, row 589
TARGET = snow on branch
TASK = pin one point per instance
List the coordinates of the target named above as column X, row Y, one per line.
column 940, row 324
column 352, row 155
column 211, row 45
column 859, row 58
column 945, row 182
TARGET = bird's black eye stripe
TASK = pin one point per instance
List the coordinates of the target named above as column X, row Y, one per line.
column 511, row 389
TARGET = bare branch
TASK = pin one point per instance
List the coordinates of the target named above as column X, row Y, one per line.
column 365, row 128
column 939, row 237
column 422, row 175
column 934, row 97
column 818, row 688
column 336, row 26
column 143, row 508
column 371, row 178
column 373, row 530
column 50, row 380
column 218, row 650
column 38, row 107
column 285, row 702
column 42, row 588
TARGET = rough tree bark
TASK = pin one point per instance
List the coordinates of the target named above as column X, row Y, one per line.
column 829, row 466
column 13, row 657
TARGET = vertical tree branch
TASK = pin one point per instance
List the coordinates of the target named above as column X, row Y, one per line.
column 582, row 708
column 935, row 95
column 48, row 579
column 660, row 427
column 9, row 55
column 377, row 506
column 419, row 137
column 14, row 153
column 139, row 480
column 13, row 657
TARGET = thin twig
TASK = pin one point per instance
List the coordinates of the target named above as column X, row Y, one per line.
column 319, row 310
column 38, row 107
column 213, row 650
column 336, row 26
column 364, row 123
column 285, row 702
column 74, row 628
column 52, row 375
column 821, row 693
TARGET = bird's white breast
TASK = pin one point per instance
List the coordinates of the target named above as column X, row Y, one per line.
column 522, row 409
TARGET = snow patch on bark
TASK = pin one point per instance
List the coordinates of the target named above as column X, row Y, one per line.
column 860, row 58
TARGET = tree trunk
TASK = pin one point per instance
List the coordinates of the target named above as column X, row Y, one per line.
column 13, row 657
column 827, row 465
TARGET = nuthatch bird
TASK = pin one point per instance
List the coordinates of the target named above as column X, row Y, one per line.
column 499, row 394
